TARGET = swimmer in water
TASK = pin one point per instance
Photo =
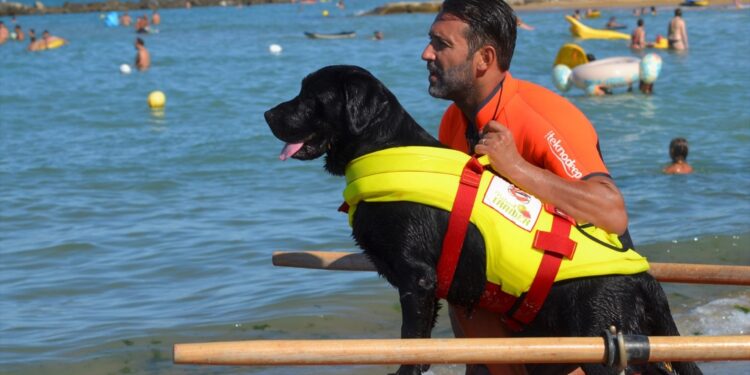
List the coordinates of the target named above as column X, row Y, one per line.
column 677, row 32
column 142, row 57
column 678, row 151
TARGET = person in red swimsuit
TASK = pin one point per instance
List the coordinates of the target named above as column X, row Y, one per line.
column 535, row 138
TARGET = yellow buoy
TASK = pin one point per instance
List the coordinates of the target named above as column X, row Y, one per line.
column 325, row 13
column 156, row 99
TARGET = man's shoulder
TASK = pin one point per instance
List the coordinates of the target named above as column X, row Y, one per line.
column 538, row 96
column 533, row 103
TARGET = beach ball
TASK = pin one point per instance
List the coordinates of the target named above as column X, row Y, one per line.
column 156, row 99
column 274, row 49
column 561, row 77
column 325, row 13
column 125, row 69
column 650, row 68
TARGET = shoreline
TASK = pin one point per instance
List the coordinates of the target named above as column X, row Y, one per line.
column 17, row 9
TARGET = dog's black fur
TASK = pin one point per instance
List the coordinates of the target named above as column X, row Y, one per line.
column 343, row 112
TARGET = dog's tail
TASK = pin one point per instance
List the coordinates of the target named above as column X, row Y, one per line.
column 664, row 325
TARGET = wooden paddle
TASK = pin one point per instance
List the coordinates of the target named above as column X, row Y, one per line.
column 664, row 272
column 493, row 350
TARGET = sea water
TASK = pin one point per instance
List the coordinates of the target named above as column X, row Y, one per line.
column 125, row 230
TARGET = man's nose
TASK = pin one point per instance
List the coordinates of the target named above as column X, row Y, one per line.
column 428, row 54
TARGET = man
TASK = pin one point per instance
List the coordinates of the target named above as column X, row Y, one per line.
column 141, row 24
column 677, row 32
column 155, row 17
column 678, row 151
column 638, row 38
column 126, row 20
column 612, row 24
column 4, row 34
column 533, row 137
column 142, row 57
column 19, row 33
column 32, row 40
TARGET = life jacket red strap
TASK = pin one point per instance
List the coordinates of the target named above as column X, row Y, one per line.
column 556, row 244
column 458, row 224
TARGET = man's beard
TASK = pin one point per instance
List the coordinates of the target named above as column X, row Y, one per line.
column 452, row 83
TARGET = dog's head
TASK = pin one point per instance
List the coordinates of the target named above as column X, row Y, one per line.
column 340, row 112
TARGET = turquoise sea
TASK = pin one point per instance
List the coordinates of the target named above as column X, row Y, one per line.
column 124, row 231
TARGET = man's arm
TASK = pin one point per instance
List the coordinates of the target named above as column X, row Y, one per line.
column 683, row 30
column 595, row 200
column 642, row 39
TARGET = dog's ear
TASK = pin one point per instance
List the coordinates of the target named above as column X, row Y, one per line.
column 365, row 101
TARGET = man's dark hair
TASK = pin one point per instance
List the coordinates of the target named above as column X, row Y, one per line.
column 139, row 41
column 640, row 22
column 678, row 149
column 491, row 22
column 678, row 12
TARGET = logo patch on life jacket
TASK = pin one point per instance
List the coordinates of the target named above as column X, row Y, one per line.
column 513, row 203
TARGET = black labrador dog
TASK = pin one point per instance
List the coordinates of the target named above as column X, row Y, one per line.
column 344, row 112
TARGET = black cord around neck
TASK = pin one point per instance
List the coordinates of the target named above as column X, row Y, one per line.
column 472, row 133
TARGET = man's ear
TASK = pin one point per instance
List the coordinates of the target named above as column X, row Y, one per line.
column 365, row 101
column 487, row 57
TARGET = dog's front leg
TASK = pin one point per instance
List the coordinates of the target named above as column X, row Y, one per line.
column 418, row 312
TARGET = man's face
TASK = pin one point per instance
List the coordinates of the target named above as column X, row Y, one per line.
column 447, row 55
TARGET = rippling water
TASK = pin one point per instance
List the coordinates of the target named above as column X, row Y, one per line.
column 124, row 231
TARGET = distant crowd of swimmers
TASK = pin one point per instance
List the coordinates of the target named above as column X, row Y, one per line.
column 48, row 41
column 18, row 35
column 676, row 30
column 676, row 34
column 142, row 24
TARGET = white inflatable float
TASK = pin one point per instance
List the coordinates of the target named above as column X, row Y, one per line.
column 610, row 73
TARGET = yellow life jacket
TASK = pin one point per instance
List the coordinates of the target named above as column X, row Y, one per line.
column 507, row 217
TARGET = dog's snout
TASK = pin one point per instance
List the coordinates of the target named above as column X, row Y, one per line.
column 268, row 115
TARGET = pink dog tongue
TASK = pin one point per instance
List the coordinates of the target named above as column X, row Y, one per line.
column 289, row 150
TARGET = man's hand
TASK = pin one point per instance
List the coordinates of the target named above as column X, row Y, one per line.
column 498, row 144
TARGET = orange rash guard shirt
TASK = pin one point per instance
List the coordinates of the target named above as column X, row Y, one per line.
column 549, row 131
